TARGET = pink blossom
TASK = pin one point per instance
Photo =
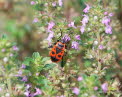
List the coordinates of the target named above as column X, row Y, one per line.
column 23, row 66
column 66, row 38
column 101, row 47
column 82, row 29
column 0, row 89
column 104, row 87
column 38, row 92
column 20, row 72
column 80, row 78
column 75, row 45
column 111, row 14
column 54, row 4
column 24, row 79
column 3, row 50
column 37, row 74
column 51, row 35
column 77, row 37
column 86, row 10
column 27, row 93
column 71, row 25
column 60, row 2
column 50, row 26
column 108, row 29
column 32, row 2
column 85, row 20
column 95, row 88
column 35, row 20
column 28, row 86
column 15, row 48
column 105, row 13
column 106, row 20
column 76, row 90
column 11, row 55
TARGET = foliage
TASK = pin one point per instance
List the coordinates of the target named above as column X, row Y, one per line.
column 89, row 61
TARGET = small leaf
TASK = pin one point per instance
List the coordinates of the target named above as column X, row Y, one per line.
column 27, row 61
column 36, row 55
column 49, row 66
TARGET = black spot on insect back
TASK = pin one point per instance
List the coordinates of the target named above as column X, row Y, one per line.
column 54, row 59
column 59, row 56
column 53, row 52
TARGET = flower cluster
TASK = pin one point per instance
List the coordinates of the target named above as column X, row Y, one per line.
column 85, row 19
column 106, row 20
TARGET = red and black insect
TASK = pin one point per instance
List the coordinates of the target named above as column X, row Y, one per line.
column 57, row 51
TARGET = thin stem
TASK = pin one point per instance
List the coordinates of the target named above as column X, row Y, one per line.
column 99, row 64
column 9, row 84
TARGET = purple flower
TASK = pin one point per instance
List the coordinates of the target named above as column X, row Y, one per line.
column 27, row 93
column 15, row 48
column 71, row 25
column 77, row 37
column 38, row 92
column 50, row 26
column 54, row 4
column 51, row 35
column 86, row 10
column 104, row 87
column 82, row 29
column 85, row 20
column 24, row 79
column 105, row 13
column 76, row 90
column 106, row 20
column 80, row 78
column 60, row 2
column 0, row 89
column 35, row 20
column 37, row 74
column 32, row 3
column 23, row 66
column 11, row 55
column 3, row 50
column 75, row 45
column 108, row 29
column 111, row 14
column 101, row 47
column 20, row 72
column 28, row 86
column 66, row 38
column 95, row 88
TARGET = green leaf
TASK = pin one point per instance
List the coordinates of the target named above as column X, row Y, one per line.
column 27, row 61
column 36, row 55
column 49, row 66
